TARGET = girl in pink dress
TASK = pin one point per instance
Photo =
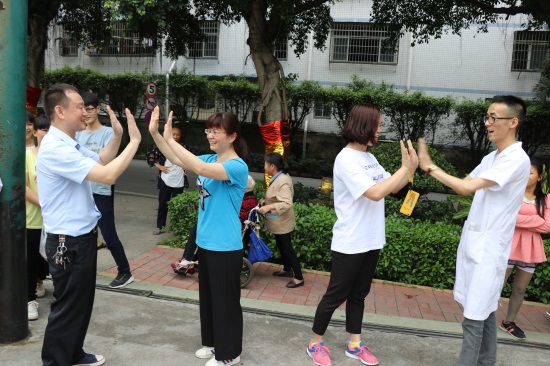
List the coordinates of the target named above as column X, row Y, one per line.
column 527, row 247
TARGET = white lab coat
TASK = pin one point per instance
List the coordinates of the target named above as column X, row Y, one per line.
column 486, row 240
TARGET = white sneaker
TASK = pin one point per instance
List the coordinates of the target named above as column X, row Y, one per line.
column 40, row 290
column 214, row 362
column 205, row 352
column 32, row 309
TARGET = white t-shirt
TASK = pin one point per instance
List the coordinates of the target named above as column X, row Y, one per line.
column 174, row 177
column 360, row 224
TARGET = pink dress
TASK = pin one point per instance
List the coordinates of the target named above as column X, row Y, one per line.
column 527, row 243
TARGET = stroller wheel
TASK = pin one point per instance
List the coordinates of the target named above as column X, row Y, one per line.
column 247, row 272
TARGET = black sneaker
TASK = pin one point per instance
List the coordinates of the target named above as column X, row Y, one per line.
column 513, row 329
column 91, row 360
column 122, row 280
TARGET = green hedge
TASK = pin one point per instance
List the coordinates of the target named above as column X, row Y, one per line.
column 419, row 252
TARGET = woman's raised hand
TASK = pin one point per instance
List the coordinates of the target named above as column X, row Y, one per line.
column 154, row 122
column 409, row 159
column 168, row 128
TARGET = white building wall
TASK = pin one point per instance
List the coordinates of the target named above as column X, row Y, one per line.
column 475, row 65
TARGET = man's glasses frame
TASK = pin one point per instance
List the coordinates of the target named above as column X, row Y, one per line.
column 492, row 119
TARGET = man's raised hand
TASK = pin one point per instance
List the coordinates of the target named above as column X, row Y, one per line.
column 115, row 124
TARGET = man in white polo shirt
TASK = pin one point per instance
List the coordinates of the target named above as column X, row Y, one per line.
column 64, row 170
column 482, row 257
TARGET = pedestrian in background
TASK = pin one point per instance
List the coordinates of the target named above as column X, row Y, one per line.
column 360, row 185
column 35, row 262
column 221, row 182
column 527, row 246
column 279, row 216
column 96, row 137
column 171, row 180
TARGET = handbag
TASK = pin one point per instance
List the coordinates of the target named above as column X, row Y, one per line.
column 258, row 252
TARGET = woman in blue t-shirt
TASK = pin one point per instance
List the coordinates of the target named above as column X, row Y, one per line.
column 221, row 181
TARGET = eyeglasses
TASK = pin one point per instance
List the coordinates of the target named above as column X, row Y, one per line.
column 90, row 109
column 209, row 131
column 492, row 119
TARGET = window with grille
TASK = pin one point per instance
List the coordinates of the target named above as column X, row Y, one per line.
column 322, row 109
column 281, row 50
column 362, row 43
column 208, row 47
column 66, row 47
column 124, row 42
column 208, row 102
column 530, row 50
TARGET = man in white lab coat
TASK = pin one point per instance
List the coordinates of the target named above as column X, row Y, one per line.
column 499, row 183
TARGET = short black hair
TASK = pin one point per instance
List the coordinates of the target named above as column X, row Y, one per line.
column 30, row 118
column 515, row 104
column 42, row 121
column 90, row 99
column 57, row 95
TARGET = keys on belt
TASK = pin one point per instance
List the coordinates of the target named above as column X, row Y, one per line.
column 60, row 256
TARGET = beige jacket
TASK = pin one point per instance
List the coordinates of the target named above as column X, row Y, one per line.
column 280, row 192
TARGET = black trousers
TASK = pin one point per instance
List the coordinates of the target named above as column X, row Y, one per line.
column 74, row 288
column 220, row 302
column 190, row 251
column 350, row 281
column 288, row 255
column 35, row 262
column 105, row 205
column 165, row 194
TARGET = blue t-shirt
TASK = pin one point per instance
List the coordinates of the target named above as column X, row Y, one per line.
column 95, row 141
column 219, row 227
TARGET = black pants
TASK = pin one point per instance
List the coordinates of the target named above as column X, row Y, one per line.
column 350, row 281
column 105, row 205
column 220, row 302
column 288, row 255
column 35, row 262
column 74, row 288
column 165, row 194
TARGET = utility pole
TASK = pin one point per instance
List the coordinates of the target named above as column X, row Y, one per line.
column 13, row 82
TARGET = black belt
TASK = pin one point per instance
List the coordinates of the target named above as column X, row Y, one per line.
column 56, row 236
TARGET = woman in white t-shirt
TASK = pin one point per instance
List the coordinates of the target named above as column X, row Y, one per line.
column 360, row 185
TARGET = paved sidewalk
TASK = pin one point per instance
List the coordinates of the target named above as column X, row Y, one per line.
column 386, row 299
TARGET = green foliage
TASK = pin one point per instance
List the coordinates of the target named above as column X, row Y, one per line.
column 183, row 212
column 187, row 93
column 427, row 20
column 238, row 95
column 301, row 98
column 468, row 125
column 464, row 204
column 120, row 91
column 535, row 131
column 389, row 156
column 416, row 115
column 425, row 209
column 419, row 252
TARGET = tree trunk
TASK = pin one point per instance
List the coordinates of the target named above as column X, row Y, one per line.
column 268, row 68
column 36, row 45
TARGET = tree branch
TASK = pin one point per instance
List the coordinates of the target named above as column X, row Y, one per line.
column 308, row 5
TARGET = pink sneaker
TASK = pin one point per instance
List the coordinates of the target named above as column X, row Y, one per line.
column 319, row 352
column 362, row 353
